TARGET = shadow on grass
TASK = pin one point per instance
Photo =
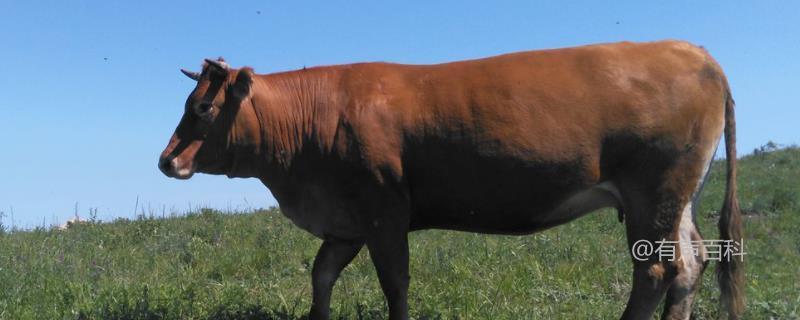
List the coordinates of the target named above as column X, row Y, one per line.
column 250, row 312
column 222, row 312
column 239, row 313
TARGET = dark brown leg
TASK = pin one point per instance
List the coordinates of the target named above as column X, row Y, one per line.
column 331, row 259
column 387, row 241
column 649, row 285
column 651, row 214
column 680, row 296
column 391, row 263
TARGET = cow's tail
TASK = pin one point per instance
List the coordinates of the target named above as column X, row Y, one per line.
column 730, row 269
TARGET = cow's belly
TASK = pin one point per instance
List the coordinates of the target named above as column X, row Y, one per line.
column 323, row 223
column 467, row 190
column 527, row 215
column 319, row 211
column 324, row 218
column 471, row 194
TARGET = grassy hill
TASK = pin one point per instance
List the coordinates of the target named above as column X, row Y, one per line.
column 242, row 265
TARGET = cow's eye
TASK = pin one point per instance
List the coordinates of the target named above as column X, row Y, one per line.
column 204, row 108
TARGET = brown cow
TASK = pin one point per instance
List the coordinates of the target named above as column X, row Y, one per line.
column 365, row 153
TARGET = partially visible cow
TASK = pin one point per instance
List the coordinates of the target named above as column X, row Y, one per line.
column 362, row 154
column 72, row 222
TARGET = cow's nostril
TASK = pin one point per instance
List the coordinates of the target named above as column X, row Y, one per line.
column 164, row 165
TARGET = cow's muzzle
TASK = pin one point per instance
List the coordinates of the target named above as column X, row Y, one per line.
column 177, row 160
column 173, row 168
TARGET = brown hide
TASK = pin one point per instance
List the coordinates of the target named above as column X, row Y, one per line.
column 487, row 145
column 509, row 144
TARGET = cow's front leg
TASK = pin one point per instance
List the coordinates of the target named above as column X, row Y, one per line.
column 388, row 248
column 333, row 256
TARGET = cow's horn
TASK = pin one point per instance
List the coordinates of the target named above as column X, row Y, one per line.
column 192, row 75
column 219, row 64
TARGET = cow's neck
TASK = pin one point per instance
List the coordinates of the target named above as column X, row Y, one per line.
column 298, row 113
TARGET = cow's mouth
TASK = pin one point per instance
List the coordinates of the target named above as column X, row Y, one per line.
column 184, row 173
column 174, row 168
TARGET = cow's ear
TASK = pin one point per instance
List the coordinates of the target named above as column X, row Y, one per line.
column 240, row 88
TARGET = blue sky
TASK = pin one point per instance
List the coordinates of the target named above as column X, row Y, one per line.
column 90, row 90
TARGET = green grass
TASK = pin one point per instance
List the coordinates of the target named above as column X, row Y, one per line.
column 214, row 265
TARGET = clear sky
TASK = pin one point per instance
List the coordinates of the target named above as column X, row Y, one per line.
column 90, row 90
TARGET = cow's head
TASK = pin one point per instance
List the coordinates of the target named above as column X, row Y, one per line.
column 204, row 139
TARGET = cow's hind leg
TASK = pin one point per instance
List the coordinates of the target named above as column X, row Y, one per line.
column 660, row 232
column 680, row 296
column 651, row 276
column 673, row 267
column 692, row 263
